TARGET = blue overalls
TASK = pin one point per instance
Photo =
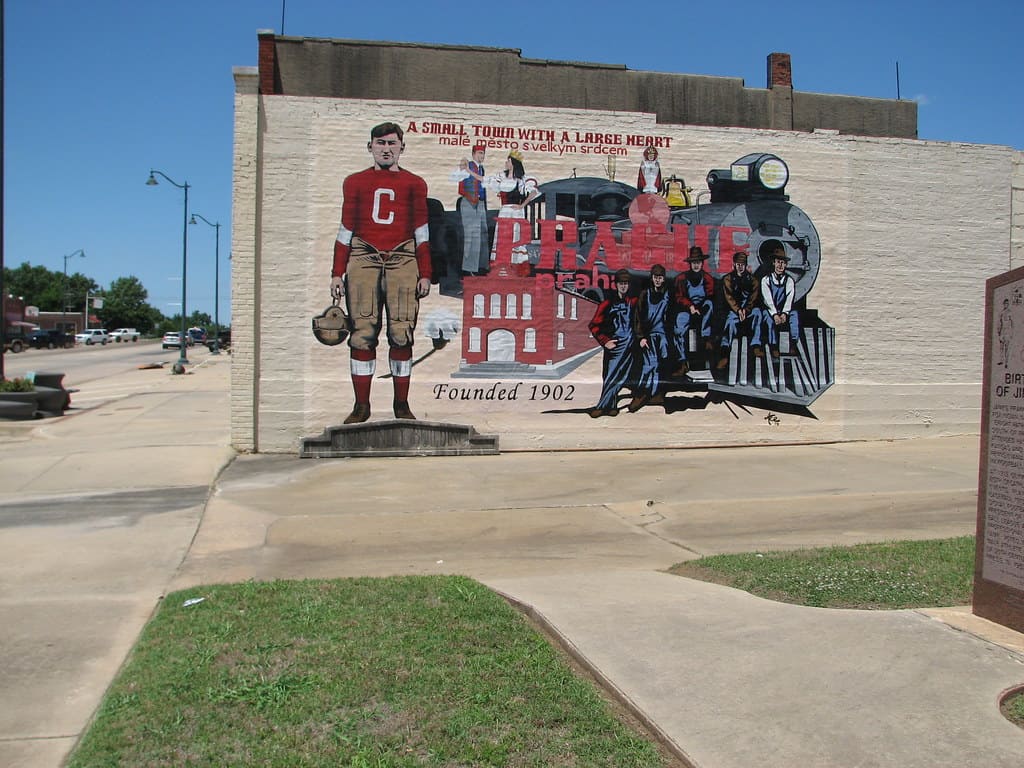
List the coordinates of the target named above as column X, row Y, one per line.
column 698, row 295
column 618, row 363
column 656, row 314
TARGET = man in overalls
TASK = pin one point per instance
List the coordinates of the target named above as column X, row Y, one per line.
column 695, row 300
column 612, row 326
column 743, row 296
column 778, row 290
column 652, row 331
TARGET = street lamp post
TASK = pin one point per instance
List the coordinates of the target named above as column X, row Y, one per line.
column 215, row 348
column 64, row 303
column 152, row 182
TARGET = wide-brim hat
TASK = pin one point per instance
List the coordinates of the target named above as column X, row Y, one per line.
column 622, row 276
column 780, row 253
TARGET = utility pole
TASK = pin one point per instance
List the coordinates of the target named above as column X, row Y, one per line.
column 3, row 289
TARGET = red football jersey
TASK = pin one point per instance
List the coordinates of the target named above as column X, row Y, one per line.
column 384, row 208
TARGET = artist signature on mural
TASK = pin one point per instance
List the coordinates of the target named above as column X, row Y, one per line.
column 773, row 420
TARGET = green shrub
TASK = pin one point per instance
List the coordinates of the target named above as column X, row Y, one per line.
column 17, row 385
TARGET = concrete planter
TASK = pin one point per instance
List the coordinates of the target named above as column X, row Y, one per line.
column 52, row 401
column 49, row 379
column 49, row 398
column 18, row 405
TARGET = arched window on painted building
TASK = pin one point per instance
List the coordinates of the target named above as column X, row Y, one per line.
column 495, row 305
column 530, row 340
column 511, row 302
column 478, row 305
column 572, row 309
column 561, row 340
column 474, row 336
column 560, row 311
column 527, row 306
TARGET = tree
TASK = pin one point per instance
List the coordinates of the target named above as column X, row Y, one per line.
column 78, row 286
column 124, row 305
column 200, row 320
column 36, row 285
column 173, row 323
column 44, row 288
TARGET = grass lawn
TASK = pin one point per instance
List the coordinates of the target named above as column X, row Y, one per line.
column 418, row 671
column 901, row 574
column 1013, row 709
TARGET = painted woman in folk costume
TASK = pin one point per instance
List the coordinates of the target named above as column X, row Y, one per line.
column 515, row 191
column 648, row 178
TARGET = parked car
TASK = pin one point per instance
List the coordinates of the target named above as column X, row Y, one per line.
column 124, row 334
column 92, row 336
column 16, row 335
column 198, row 334
column 50, row 339
column 172, row 340
column 14, row 344
column 223, row 340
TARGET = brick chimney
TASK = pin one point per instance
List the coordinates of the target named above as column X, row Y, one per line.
column 269, row 77
column 780, row 70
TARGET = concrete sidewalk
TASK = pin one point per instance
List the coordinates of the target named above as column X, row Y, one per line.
column 106, row 510
column 97, row 511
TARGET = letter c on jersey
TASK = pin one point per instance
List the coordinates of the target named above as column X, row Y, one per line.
column 378, row 216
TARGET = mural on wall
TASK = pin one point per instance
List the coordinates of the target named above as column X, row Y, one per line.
column 681, row 295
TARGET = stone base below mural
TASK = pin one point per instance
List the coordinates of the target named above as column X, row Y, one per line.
column 497, row 370
column 398, row 437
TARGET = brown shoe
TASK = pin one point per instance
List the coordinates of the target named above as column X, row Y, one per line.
column 775, row 353
column 402, row 411
column 637, row 403
column 723, row 363
column 658, row 399
column 681, row 371
column 360, row 413
column 597, row 413
column 756, row 349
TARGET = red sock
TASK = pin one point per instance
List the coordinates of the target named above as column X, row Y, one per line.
column 363, row 365
column 399, row 358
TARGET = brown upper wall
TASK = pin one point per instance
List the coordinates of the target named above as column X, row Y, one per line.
column 361, row 69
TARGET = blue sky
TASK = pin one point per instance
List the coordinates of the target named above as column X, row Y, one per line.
column 97, row 93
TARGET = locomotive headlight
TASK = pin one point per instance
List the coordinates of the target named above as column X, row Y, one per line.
column 758, row 176
column 772, row 172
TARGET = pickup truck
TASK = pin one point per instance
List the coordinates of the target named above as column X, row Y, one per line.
column 124, row 334
column 50, row 339
column 14, row 344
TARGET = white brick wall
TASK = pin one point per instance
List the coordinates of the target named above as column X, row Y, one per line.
column 244, row 236
column 1017, row 231
column 909, row 230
